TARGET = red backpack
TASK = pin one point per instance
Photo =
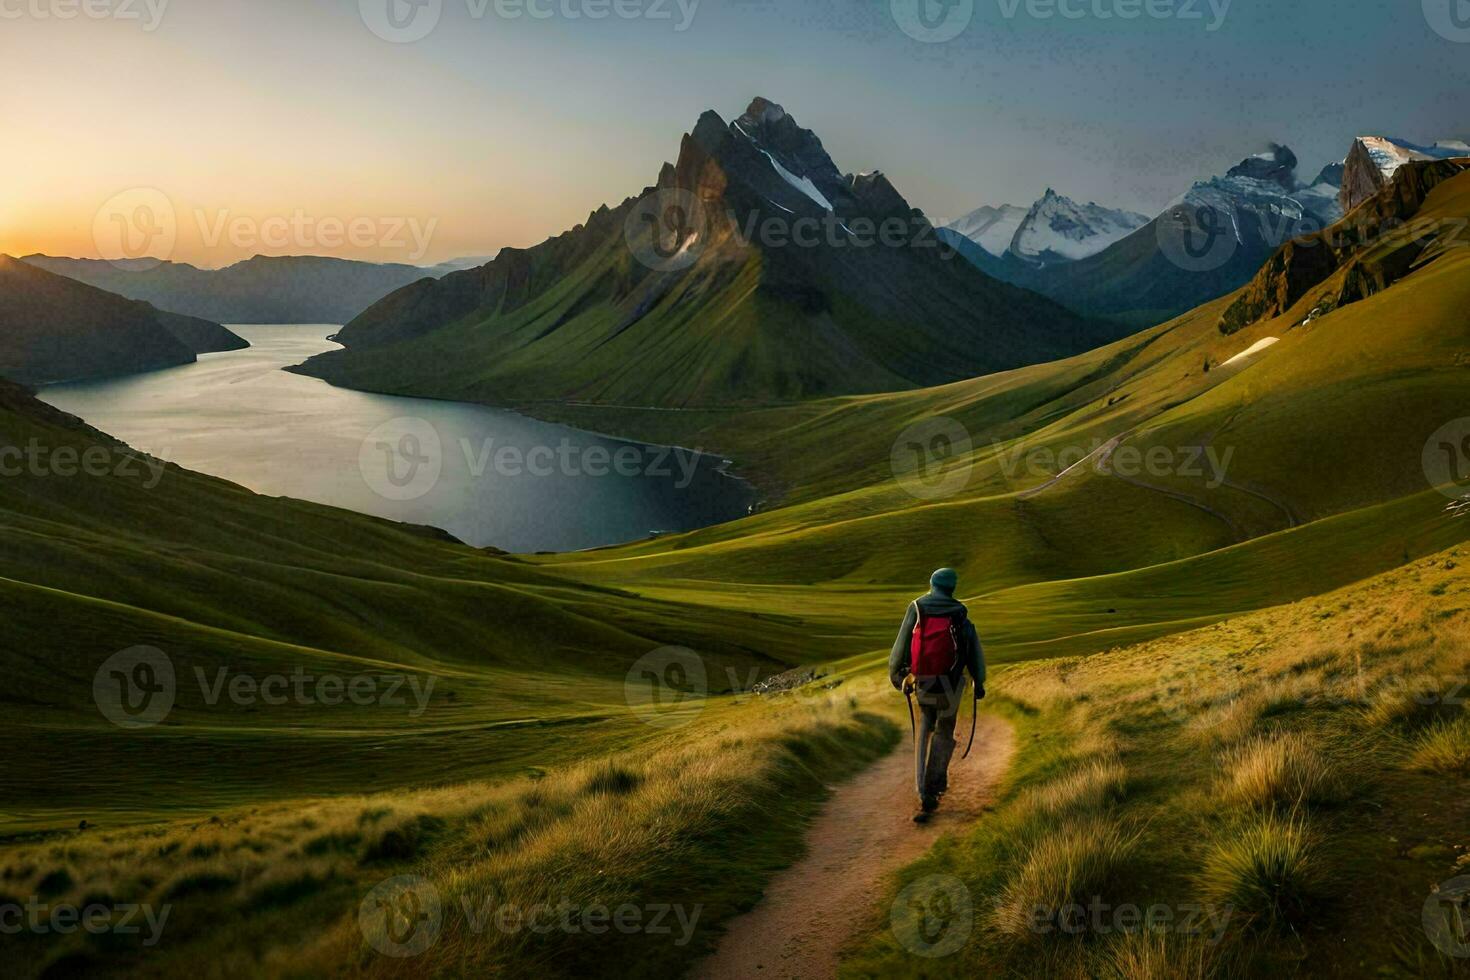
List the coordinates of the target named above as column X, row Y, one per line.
column 935, row 649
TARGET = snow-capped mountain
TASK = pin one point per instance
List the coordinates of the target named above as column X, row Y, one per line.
column 992, row 228
column 1142, row 278
column 1373, row 160
column 1265, row 202
column 1058, row 229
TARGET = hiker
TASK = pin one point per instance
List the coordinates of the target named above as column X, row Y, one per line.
column 936, row 646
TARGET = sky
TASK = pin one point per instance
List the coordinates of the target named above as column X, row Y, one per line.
column 320, row 127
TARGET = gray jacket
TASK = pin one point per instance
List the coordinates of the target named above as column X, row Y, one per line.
column 972, row 655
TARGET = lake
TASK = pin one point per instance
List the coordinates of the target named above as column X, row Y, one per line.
column 491, row 478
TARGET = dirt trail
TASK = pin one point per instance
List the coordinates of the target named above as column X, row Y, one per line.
column 865, row 832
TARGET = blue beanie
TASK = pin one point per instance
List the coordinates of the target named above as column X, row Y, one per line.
column 946, row 580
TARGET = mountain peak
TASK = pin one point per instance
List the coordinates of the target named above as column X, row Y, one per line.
column 763, row 110
column 1057, row 228
column 1277, row 165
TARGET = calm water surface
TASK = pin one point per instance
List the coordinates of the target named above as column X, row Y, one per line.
column 489, row 477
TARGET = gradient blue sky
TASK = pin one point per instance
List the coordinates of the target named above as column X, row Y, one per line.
column 509, row 131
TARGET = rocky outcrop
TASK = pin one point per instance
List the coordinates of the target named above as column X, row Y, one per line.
column 1373, row 160
column 1373, row 247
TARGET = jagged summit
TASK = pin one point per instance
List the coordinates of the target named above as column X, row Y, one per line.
column 1373, row 160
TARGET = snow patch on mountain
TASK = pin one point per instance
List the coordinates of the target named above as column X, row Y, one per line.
column 803, row 184
column 1390, row 154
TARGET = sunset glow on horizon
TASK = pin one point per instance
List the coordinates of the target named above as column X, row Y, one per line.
column 493, row 132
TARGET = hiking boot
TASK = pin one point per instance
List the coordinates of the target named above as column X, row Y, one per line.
column 930, row 804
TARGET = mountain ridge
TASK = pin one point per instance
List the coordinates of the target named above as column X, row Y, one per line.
column 260, row 289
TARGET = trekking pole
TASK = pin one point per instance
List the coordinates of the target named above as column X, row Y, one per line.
column 974, row 717
column 908, row 695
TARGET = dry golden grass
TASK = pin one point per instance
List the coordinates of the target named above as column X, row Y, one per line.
column 1091, row 788
column 1279, row 770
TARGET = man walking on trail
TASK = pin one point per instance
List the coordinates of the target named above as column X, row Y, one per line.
column 936, row 646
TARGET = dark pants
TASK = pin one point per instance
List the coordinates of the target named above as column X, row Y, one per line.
column 934, row 747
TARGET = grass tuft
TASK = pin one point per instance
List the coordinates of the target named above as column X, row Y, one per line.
column 1444, row 748
column 1282, row 770
column 1155, row 956
column 1269, row 871
column 1080, row 860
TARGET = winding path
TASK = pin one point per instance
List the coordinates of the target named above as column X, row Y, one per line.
column 833, row 895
